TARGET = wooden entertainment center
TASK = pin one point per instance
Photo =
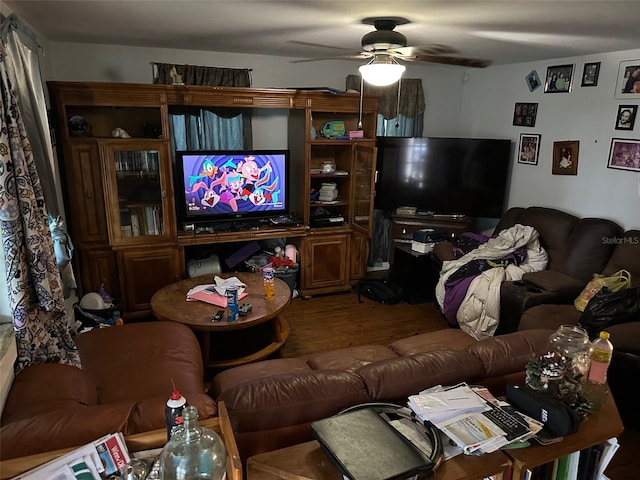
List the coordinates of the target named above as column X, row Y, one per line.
column 119, row 192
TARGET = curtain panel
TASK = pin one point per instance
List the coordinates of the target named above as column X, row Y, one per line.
column 196, row 122
column 202, row 75
column 411, row 103
column 33, row 280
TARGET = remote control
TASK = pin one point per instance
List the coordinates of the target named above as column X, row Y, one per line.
column 218, row 316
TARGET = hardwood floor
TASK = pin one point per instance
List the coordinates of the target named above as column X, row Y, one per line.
column 339, row 321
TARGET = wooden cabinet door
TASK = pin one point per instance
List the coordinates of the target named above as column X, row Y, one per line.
column 142, row 273
column 88, row 221
column 326, row 268
column 359, row 254
column 363, row 190
column 98, row 266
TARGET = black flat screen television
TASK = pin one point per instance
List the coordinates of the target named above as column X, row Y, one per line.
column 448, row 176
column 229, row 185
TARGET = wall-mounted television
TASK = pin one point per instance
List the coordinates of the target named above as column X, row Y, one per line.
column 443, row 175
column 217, row 185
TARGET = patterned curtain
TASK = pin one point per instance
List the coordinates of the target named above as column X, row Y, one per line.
column 33, row 279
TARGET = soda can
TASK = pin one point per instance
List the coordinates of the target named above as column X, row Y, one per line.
column 232, row 304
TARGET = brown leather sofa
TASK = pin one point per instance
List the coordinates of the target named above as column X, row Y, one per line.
column 123, row 386
column 577, row 248
column 625, row 367
column 271, row 403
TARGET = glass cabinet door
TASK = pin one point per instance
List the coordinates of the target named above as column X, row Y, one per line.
column 363, row 190
column 138, row 194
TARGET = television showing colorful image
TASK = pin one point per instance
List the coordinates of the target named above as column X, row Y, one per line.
column 224, row 185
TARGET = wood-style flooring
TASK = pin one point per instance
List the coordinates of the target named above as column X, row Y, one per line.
column 338, row 321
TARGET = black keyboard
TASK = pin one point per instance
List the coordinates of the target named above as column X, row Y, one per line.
column 507, row 422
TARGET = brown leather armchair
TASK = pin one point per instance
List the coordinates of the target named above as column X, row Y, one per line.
column 123, row 386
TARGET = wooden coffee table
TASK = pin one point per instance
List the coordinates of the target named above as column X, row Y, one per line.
column 224, row 344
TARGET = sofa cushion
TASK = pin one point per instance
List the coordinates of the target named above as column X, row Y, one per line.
column 233, row 377
column 349, row 359
column 626, row 255
column 133, row 361
column 397, row 378
column 586, row 251
column 506, row 354
column 292, row 398
column 70, row 427
column 549, row 316
column 48, row 387
column 446, row 339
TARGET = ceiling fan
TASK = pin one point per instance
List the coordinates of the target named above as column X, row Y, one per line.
column 384, row 41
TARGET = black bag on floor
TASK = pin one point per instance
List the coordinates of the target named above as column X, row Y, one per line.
column 608, row 308
column 379, row 290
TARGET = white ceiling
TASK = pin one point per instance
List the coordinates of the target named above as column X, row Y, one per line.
column 502, row 31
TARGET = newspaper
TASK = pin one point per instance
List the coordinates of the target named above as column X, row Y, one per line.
column 94, row 461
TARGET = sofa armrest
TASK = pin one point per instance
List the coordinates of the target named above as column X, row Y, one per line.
column 520, row 295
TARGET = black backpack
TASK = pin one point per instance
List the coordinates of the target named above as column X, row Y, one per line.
column 379, row 290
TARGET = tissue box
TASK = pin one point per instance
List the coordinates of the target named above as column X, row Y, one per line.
column 424, row 240
column 422, row 247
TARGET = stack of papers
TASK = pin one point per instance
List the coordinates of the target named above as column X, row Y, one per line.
column 215, row 293
column 459, row 413
column 96, row 460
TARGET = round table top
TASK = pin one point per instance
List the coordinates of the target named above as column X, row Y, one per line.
column 170, row 303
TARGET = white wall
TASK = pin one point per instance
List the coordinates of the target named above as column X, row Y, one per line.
column 87, row 62
column 586, row 114
column 476, row 103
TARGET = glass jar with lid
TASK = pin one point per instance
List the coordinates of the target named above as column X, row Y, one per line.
column 572, row 342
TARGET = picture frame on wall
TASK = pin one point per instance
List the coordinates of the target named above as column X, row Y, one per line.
column 590, row 74
column 524, row 114
column 533, row 80
column 626, row 117
column 628, row 82
column 624, row 154
column 565, row 158
column 559, row 78
column 529, row 148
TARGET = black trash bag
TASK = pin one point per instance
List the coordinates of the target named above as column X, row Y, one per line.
column 608, row 308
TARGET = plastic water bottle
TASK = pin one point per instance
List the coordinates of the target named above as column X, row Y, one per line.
column 267, row 279
column 193, row 453
column 596, row 384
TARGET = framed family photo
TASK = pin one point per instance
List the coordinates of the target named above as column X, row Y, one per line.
column 533, row 80
column 524, row 114
column 529, row 148
column 590, row 74
column 559, row 79
column 624, row 154
column 565, row 158
column 626, row 117
column 628, row 83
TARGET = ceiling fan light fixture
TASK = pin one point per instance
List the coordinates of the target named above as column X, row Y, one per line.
column 382, row 70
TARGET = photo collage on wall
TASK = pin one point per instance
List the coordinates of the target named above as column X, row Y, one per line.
column 624, row 153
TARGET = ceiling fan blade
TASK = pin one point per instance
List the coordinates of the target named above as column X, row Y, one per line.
column 309, row 44
column 450, row 60
column 357, row 56
column 433, row 49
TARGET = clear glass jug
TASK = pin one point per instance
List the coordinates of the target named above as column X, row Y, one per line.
column 193, row 453
column 572, row 342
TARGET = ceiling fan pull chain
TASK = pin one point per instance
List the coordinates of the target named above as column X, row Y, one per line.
column 398, row 103
column 360, row 111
